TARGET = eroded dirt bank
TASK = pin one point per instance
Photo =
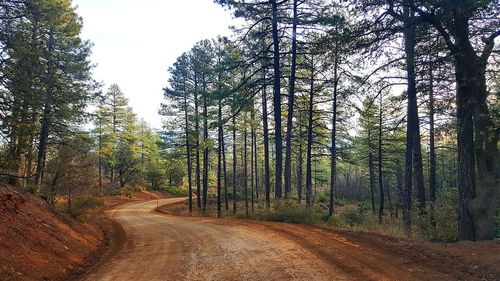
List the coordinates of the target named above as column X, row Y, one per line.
column 37, row 243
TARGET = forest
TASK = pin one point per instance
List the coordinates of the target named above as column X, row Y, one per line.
column 380, row 115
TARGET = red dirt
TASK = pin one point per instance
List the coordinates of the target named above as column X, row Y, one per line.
column 37, row 243
column 458, row 261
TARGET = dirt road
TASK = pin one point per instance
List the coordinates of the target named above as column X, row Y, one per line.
column 161, row 247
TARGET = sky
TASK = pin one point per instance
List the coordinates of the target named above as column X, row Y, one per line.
column 136, row 41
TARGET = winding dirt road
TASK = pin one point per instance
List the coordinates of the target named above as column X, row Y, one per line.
column 162, row 247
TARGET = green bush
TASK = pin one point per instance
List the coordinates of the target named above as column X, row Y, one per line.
column 128, row 191
column 290, row 212
column 348, row 215
column 80, row 206
column 177, row 191
column 342, row 202
column 352, row 215
column 446, row 218
column 323, row 197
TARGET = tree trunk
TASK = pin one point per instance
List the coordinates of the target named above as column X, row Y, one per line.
column 478, row 200
column 252, row 159
column 42, row 142
column 256, row 162
column 380, row 178
column 112, row 173
column 390, row 206
column 70, row 199
column 99, row 163
column 245, row 170
column 300, row 165
column 47, row 112
column 411, row 122
column 205, row 146
column 277, row 102
column 333, row 172
column 188, row 154
column 219, row 160
column 120, row 177
column 234, row 162
column 466, row 157
column 372, row 173
column 114, row 123
column 29, row 164
column 197, row 131
column 310, row 138
column 224, row 170
column 46, row 117
column 418, row 170
column 265, row 133
column 52, row 197
column 417, row 166
column 477, row 135
column 289, row 124
column 432, row 149
column 399, row 194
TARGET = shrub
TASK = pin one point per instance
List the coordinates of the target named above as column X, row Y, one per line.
column 347, row 216
column 352, row 215
column 323, row 197
column 446, row 217
column 128, row 191
column 290, row 212
column 177, row 191
column 80, row 206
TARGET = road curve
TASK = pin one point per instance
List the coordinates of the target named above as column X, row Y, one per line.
column 160, row 247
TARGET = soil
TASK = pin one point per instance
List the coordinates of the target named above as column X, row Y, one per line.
column 479, row 259
column 38, row 243
column 143, row 195
column 167, row 247
column 129, row 241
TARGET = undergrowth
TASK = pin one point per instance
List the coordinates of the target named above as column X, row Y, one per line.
column 358, row 217
column 80, row 206
column 177, row 191
column 289, row 212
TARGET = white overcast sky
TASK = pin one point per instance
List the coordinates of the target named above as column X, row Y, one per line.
column 136, row 41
